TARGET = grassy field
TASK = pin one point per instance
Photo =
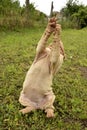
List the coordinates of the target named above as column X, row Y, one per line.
column 17, row 51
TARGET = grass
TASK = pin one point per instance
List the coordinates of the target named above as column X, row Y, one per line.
column 17, row 51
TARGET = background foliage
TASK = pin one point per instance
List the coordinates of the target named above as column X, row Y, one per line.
column 75, row 14
column 13, row 16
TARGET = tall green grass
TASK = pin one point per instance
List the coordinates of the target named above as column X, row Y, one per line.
column 17, row 51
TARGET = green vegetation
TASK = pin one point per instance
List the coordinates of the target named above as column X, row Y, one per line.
column 17, row 51
column 74, row 15
column 13, row 16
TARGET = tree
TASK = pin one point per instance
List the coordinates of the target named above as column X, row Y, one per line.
column 81, row 17
column 75, row 13
column 71, row 7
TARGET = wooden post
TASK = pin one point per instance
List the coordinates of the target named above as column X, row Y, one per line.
column 51, row 11
column 27, row 2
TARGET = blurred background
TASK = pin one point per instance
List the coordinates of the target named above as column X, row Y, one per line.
column 16, row 14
